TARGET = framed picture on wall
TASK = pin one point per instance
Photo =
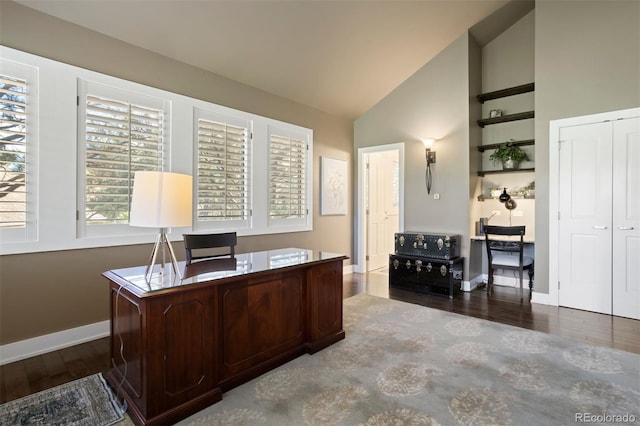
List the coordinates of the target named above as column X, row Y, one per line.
column 333, row 186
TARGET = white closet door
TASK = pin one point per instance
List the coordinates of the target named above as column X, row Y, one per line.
column 626, row 218
column 584, row 227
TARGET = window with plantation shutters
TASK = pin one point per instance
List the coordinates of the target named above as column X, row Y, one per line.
column 288, row 181
column 223, row 172
column 18, row 135
column 123, row 133
column 13, row 150
column 72, row 141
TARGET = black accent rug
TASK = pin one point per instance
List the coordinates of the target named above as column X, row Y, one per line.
column 87, row 401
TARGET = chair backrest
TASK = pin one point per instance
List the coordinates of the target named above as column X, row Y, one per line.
column 515, row 246
column 202, row 246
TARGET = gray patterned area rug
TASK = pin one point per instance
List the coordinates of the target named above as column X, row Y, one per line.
column 84, row 402
column 404, row 364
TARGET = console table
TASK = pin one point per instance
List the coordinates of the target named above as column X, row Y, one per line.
column 178, row 344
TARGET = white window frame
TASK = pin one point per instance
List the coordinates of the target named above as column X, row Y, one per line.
column 29, row 73
column 85, row 88
column 224, row 224
column 293, row 224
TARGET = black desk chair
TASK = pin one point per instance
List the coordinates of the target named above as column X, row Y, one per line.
column 203, row 246
column 509, row 254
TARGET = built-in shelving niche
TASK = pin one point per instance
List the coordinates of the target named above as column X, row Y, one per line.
column 511, row 91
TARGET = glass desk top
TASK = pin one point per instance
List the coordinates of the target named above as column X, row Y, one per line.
column 217, row 268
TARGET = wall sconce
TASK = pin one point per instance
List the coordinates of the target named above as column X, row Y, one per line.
column 431, row 159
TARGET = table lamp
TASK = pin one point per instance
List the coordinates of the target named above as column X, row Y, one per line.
column 161, row 200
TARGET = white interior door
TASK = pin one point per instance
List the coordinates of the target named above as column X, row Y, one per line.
column 383, row 220
column 626, row 218
column 585, row 217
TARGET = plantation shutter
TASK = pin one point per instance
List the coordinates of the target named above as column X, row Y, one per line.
column 121, row 139
column 223, row 171
column 287, row 177
column 13, row 152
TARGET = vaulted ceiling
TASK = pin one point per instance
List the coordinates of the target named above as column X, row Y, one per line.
column 340, row 57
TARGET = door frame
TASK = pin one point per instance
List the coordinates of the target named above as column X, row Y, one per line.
column 554, row 164
column 361, row 237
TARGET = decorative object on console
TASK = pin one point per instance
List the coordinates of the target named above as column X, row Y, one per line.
column 504, row 197
column 510, row 205
column 530, row 190
column 431, row 159
column 484, row 221
column 509, row 154
column 161, row 200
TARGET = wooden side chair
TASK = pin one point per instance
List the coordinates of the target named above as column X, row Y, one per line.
column 209, row 246
column 502, row 254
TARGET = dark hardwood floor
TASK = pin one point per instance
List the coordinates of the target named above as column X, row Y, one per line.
column 503, row 305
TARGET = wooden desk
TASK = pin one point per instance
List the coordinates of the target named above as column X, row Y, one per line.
column 177, row 345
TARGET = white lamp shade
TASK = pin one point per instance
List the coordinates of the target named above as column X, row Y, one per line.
column 161, row 200
column 428, row 143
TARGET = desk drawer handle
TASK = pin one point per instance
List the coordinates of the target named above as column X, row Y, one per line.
column 625, row 228
column 599, row 227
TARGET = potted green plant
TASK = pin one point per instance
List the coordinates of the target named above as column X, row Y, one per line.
column 509, row 155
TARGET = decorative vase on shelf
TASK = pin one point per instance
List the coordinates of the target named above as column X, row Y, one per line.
column 510, row 164
column 504, row 197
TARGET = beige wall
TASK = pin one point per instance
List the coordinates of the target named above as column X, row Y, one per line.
column 475, row 158
column 587, row 60
column 434, row 102
column 41, row 293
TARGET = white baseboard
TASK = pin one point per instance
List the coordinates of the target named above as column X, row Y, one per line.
column 540, row 298
column 347, row 269
column 471, row 285
column 543, row 299
column 52, row 342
